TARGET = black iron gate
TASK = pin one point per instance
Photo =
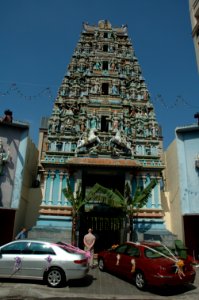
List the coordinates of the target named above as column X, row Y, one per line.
column 107, row 229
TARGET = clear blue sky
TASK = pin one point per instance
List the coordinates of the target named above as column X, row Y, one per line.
column 38, row 38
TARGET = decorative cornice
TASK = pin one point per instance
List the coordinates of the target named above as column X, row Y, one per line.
column 53, row 210
column 87, row 161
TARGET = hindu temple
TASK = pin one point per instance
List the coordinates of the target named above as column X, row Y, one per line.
column 103, row 129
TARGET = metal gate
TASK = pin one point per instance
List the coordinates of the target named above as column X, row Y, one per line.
column 107, row 229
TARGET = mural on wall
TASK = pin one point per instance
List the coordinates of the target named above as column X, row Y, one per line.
column 3, row 159
column 11, row 158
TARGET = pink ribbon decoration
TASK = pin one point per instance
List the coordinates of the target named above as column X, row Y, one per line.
column 48, row 259
column 17, row 265
column 76, row 249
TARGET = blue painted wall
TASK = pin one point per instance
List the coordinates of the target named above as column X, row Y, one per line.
column 188, row 149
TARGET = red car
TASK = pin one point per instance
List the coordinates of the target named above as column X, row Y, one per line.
column 147, row 263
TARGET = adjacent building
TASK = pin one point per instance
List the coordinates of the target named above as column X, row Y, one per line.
column 103, row 129
column 182, row 185
column 18, row 171
column 194, row 15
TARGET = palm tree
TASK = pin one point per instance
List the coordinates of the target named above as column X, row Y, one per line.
column 104, row 195
column 128, row 203
column 133, row 203
column 77, row 201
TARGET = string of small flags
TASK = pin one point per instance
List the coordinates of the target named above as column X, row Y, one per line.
column 178, row 101
column 14, row 88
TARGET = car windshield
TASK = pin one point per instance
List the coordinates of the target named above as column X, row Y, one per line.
column 157, row 252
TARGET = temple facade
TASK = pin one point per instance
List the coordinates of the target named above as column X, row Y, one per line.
column 102, row 129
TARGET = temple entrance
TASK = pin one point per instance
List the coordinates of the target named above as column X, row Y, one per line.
column 108, row 228
column 106, row 221
column 111, row 179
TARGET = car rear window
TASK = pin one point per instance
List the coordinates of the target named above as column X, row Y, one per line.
column 66, row 247
column 157, row 252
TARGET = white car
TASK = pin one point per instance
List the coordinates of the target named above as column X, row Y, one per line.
column 55, row 263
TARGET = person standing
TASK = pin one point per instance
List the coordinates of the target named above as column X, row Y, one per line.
column 89, row 242
column 22, row 234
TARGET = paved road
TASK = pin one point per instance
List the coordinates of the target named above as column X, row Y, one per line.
column 96, row 285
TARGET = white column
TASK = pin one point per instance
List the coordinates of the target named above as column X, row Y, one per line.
column 144, row 185
column 159, row 193
column 44, row 189
column 152, row 196
column 52, row 175
column 61, row 174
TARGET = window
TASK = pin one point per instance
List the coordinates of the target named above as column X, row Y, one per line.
column 16, row 248
column 105, row 35
column 155, row 252
column 104, row 124
column 105, row 48
column 121, row 249
column 40, row 248
column 133, row 251
column 105, row 65
column 104, row 88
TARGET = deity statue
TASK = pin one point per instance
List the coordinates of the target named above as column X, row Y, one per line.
column 93, row 122
column 120, row 140
column 96, row 89
column 88, row 138
column 97, row 66
column 114, row 90
column 3, row 157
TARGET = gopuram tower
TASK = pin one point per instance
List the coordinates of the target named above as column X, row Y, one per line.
column 103, row 129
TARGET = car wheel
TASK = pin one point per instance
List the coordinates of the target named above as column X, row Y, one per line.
column 101, row 265
column 140, row 281
column 55, row 277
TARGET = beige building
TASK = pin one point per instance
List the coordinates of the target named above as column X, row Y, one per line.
column 194, row 15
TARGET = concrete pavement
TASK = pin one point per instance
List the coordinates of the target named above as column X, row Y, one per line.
column 96, row 285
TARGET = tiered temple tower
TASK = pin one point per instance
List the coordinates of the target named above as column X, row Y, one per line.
column 103, row 129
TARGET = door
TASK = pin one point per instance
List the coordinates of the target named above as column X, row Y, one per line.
column 36, row 259
column 126, row 256
column 11, row 259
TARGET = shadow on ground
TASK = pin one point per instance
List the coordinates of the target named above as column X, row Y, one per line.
column 84, row 282
column 164, row 290
column 172, row 290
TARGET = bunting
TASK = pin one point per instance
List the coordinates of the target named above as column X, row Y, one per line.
column 15, row 89
column 177, row 102
column 47, row 91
